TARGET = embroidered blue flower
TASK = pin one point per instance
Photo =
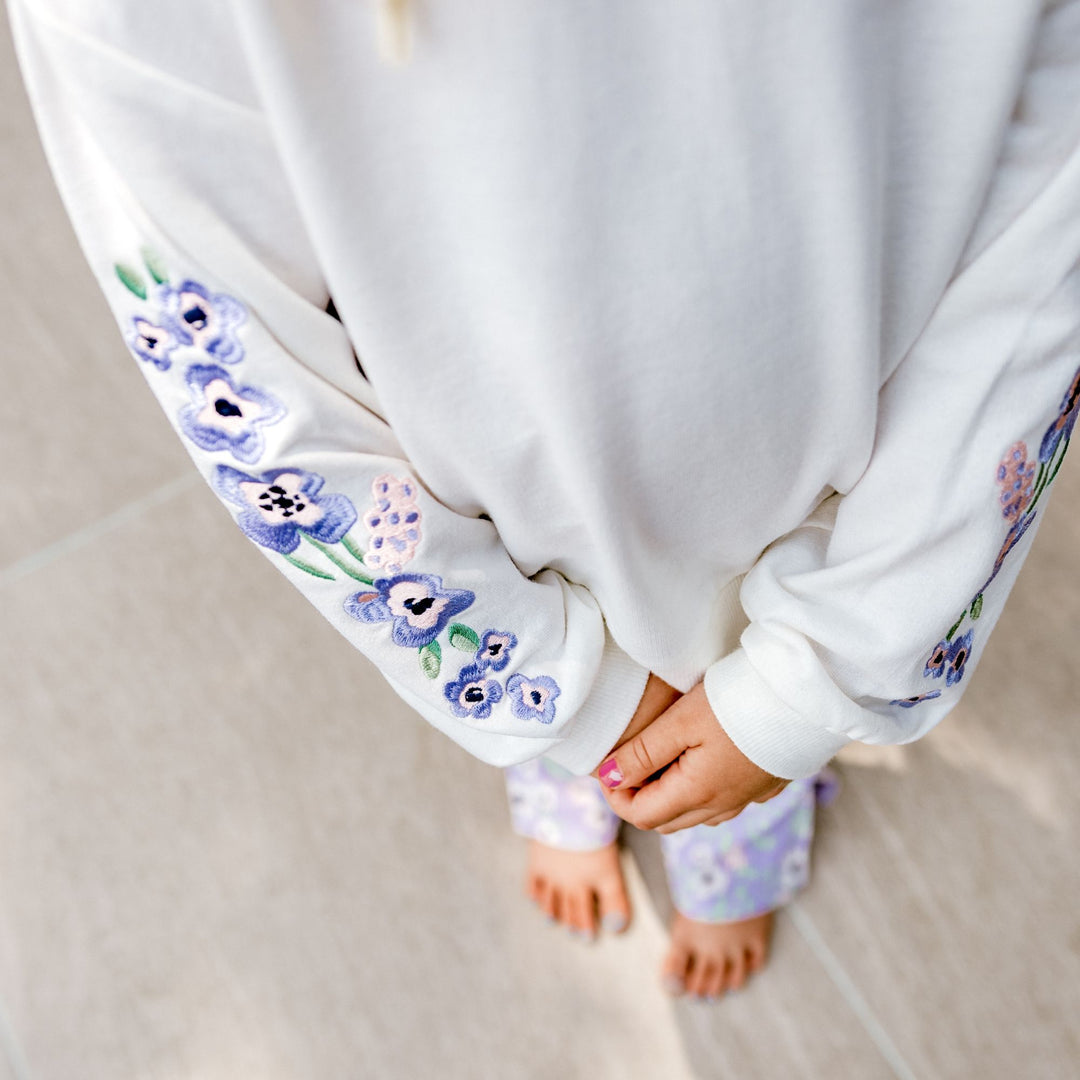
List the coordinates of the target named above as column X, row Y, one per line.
column 417, row 605
column 206, row 320
column 533, row 699
column 1062, row 427
column 223, row 416
column 935, row 666
column 151, row 342
column 1012, row 538
column 281, row 504
column 472, row 693
column 911, row 702
column 958, row 656
column 495, row 649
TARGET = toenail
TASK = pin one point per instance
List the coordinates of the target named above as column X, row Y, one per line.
column 614, row 922
column 674, row 985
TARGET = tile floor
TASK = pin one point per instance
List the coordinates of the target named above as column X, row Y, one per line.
column 208, row 869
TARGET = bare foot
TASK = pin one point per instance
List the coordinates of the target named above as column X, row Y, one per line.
column 705, row 959
column 583, row 890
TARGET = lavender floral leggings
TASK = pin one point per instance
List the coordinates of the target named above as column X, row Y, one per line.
column 753, row 863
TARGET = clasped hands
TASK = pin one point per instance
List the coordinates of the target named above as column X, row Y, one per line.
column 675, row 766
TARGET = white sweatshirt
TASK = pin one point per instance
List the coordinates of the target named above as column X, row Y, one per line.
column 647, row 297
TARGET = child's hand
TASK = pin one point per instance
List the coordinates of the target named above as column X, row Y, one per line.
column 705, row 780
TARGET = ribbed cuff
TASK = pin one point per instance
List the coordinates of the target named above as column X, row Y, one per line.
column 604, row 716
column 772, row 735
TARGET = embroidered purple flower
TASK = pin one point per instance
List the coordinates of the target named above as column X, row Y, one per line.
column 417, row 605
column 1016, row 477
column 1063, row 425
column 495, row 649
column 938, row 658
column 223, row 416
column 1012, row 538
column 150, row 342
column 394, row 524
column 959, row 653
column 911, row 702
column 281, row 504
column 206, row 320
column 472, row 693
column 533, row 699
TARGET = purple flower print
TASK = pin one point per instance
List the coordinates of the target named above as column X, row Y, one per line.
column 222, row 416
column 150, row 342
column 495, row 649
column 203, row 319
column 417, row 605
column 935, row 666
column 281, row 504
column 394, row 524
column 1012, row 538
column 472, row 693
column 959, row 654
column 1016, row 477
column 911, row 702
column 533, row 699
column 1063, row 425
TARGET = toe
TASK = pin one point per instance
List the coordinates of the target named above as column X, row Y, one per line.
column 586, row 907
column 613, row 905
column 574, row 916
column 675, row 968
column 533, row 883
column 701, row 971
column 714, row 982
column 736, row 970
column 546, row 899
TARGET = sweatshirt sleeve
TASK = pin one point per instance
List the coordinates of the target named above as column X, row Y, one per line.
column 867, row 621
column 204, row 261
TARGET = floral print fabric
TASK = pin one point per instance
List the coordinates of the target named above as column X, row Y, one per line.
column 753, row 863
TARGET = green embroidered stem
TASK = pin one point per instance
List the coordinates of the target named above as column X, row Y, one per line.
column 350, row 546
column 132, row 280
column 1064, row 447
column 300, row 565
column 956, row 626
column 326, row 550
column 1040, row 483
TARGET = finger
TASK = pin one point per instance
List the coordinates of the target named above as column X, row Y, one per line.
column 692, row 818
column 661, row 743
column 773, row 792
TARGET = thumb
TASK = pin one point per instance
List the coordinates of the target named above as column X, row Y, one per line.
column 636, row 760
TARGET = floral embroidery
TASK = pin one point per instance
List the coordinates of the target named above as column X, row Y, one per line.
column 417, row 605
column 472, row 694
column 1062, row 427
column 533, row 699
column 495, row 650
column 1016, row 476
column 280, row 505
column 394, row 524
column 223, row 416
column 911, row 702
column 207, row 321
column 154, row 344
column 1022, row 485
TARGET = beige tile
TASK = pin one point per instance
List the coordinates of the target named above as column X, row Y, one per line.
column 77, row 422
column 948, row 875
column 227, row 850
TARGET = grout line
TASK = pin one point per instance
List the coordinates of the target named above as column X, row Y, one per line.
column 849, row 991
column 27, row 565
column 9, row 1047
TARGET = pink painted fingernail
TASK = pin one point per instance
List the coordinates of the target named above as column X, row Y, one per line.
column 610, row 776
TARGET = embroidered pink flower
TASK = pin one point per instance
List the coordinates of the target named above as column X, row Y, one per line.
column 1016, row 477
column 394, row 524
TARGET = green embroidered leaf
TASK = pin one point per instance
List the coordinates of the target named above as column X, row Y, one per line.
column 132, row 280
column 154, row 265
column 463, row 637
column 431, row 660
column 976, row 606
